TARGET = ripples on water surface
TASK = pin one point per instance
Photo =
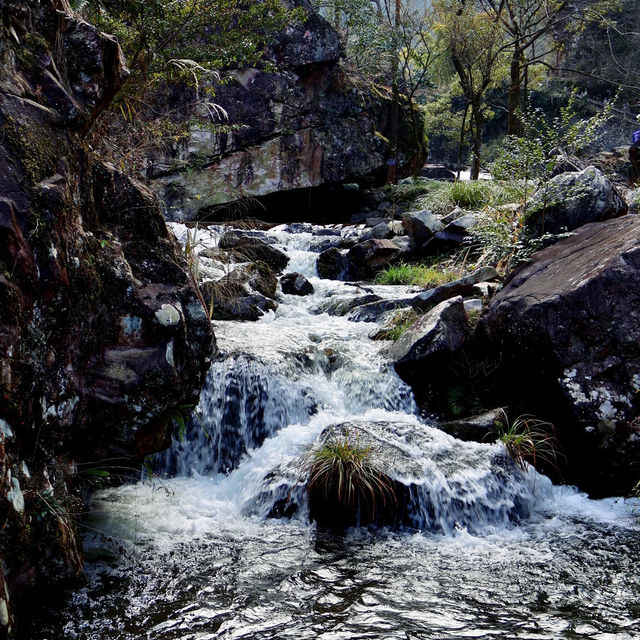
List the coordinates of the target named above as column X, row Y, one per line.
column 197, row 565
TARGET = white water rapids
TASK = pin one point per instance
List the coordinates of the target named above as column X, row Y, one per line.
column 491, row 551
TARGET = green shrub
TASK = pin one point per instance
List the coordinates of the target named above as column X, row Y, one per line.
column 345, row 488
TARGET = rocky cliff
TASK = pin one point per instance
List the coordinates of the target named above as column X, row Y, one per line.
column 297, row 123
column 102, row 333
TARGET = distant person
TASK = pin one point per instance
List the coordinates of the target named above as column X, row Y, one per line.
column 634, row 157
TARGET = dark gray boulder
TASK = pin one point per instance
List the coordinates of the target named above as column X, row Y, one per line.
column 421, row 225
column 571, row 200
column 332, row 264
column 296, row 284
column 466, row 286
column 340, row 306
column 436, row 335
column 568, row 328
column 368, row 257
column 250, row 249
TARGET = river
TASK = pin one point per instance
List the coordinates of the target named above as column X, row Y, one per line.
column 190, row 554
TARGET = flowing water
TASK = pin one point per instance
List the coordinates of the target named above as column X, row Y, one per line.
column 486, row 551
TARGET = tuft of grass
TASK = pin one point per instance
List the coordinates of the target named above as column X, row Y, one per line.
column 529, row 440
column 344, row 486
column 400, row 322
column 415, row 274
column 442, row 197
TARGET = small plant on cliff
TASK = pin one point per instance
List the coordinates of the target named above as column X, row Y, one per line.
column 529, row 440
column 343, row 478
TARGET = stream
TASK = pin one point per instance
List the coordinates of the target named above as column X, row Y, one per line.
column 488, row 550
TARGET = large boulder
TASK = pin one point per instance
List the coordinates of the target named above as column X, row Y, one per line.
column 421, row 225
column 430, row 340
column 298, row 124
column 243, row 248
column 568, row 328
column 296, row 284
column 572, row 199
column 102, row 330
column 368, row 257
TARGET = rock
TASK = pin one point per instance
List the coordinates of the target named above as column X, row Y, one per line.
column 296, row 284
column 454, row 234
column 102, row 330
column 480, row 428
column 298, row 124
column 568, row 330
column 250, row 249
column 367, row 257
column 340, row 306
column 373, row 311
column 333, row 265
column 632, row 200
column 327, row 231
column 381, row 231
column 437, row 172
column 452, row 215
column 430, row 339
column 436, row 483
column 571, row 200
column 462, row 287
column 473, row 306
column 257, row 276
column 421, row 225
column 231, row 300
column 374, row 221
column 567, row 164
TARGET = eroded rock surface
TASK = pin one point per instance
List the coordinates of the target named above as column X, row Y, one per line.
column 568, row 328
column 300, row 125
column 102, row 332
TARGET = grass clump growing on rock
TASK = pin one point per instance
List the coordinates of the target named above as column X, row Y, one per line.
column 345, row 488
column 529, row 440
column 415, row 274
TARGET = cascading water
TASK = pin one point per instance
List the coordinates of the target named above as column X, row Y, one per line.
column 486, row 549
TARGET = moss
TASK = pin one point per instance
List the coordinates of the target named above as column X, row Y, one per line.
column 35, row 150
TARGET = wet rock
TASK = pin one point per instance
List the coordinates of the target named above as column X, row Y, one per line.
column 421, row 225
column 467, row 286
column 231, row 300
column 296, row 284
column 257, row 276
column 373, row 311
column 571, row 200
column 480, row 428
column 341, row 306
column 568, row 330
column 368, row 257
column 333, row 265
column 251, row 249
column 327, row 231
column 434, row 336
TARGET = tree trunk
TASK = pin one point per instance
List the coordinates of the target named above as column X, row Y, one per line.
column 478, row 123
column 514, row 115
column 395, row 109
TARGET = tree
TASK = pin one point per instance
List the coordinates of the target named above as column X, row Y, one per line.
column 475, row 44
column 390, row 43
column 529, row 27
